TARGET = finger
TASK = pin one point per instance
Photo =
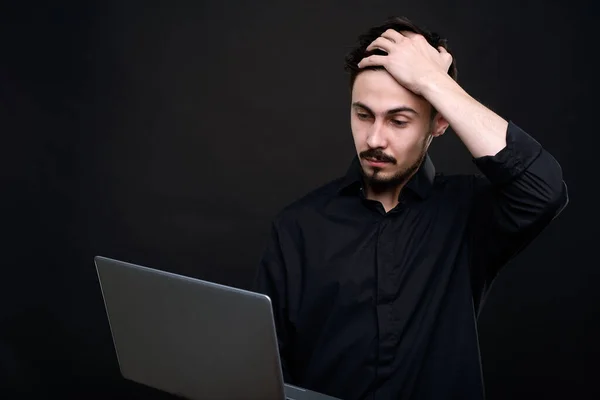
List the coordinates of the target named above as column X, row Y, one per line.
column 393, row 39
column 393, row 35
column 382, row 44
column 372, row 61
column 444, row 55
column 449, row 61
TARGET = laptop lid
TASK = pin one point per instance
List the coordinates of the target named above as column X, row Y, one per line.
column 188, row 337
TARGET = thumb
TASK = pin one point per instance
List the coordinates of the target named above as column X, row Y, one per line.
column 446, row 57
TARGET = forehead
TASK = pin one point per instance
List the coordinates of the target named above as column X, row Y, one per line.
column 379, row 91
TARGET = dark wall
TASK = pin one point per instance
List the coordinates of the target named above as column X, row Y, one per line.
column 170, row 134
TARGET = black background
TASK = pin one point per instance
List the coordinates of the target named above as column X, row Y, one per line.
column 169, row 134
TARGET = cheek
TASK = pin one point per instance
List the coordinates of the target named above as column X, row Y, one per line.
column 358, row 132
column 409, row 148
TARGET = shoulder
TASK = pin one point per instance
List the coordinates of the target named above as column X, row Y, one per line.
column 460, row 186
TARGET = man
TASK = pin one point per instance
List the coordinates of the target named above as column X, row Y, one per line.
column 377, row 278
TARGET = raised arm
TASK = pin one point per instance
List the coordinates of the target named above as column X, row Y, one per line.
column 520, row 193
column 522, row 187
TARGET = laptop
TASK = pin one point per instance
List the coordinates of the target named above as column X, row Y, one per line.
column 192, row 338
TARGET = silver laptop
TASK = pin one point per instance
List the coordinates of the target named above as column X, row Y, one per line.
column 191, row 338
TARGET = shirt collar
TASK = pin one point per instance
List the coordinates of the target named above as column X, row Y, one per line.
column 420, row 183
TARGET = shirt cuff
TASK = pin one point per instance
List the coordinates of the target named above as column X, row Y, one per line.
column 520, row 151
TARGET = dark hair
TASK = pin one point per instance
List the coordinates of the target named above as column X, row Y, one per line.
column 398, row 24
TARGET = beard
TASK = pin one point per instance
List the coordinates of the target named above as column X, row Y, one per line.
column 379, row 180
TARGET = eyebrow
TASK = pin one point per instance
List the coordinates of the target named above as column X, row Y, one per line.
column 389, row 112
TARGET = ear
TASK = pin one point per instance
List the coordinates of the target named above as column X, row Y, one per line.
column 439, row 125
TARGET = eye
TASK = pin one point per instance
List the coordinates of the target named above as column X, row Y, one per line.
column 399, row 123
column 362, row 115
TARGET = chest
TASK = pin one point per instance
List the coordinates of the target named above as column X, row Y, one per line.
column 369, row 257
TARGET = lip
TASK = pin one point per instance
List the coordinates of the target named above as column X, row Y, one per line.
column 374, row 163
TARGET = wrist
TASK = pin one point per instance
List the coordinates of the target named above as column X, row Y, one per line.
column 434, row 83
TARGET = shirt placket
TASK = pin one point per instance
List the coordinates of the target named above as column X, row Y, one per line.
column 385, row 296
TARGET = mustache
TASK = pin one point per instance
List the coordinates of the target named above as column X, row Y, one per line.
column 378, row 155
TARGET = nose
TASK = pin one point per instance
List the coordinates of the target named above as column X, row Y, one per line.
column 376, row 136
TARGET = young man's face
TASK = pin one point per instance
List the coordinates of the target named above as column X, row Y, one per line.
column 391, row 126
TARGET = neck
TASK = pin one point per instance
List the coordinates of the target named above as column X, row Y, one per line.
column 388, row 196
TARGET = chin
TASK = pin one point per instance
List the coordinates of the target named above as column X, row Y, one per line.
column 383, row 180
column 386, row 177
column 379, row 176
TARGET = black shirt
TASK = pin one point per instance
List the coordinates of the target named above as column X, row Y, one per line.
column 376, row 305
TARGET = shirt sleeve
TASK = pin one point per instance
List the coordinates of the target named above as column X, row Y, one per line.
column 520, row 193
column 272, row 280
